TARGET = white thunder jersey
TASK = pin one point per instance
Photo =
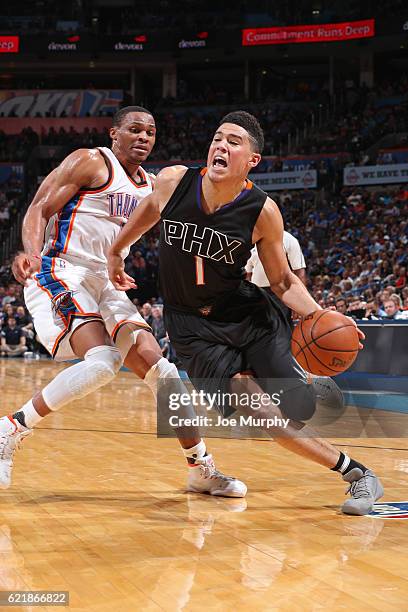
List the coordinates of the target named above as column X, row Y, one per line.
column 85, row 228
column 294, row 255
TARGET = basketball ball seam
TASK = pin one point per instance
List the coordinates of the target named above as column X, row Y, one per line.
column 318, row 319
column 307, row 346
column 293, row 340
column 304, row 355
column 313, row 339
column 324, row 365
column 302, row 348
column 330, row 331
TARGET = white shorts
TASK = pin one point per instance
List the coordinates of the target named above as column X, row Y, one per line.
column 64, row 296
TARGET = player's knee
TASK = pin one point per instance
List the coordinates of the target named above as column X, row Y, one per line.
column 102, row 363
column 299, row 402
column 99, row 367
column 106, row 361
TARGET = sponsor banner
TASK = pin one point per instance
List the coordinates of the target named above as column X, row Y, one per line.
column 390, row 510
column 79, row 103
column 198, row 40
column 326, row 32
column 135, row 44
column 9, row 44
column 42, row 125
column 130, row 44
column 275, row 181
column 57, row 44
column 375, row 175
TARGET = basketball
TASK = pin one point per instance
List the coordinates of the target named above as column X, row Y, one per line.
column 325, row 343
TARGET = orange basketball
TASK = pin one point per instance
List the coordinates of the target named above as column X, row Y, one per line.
column 325, row 343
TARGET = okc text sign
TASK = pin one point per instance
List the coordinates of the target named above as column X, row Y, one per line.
column 308, row 33
column 9, row 44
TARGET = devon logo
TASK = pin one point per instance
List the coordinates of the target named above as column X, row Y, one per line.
column 390, row 510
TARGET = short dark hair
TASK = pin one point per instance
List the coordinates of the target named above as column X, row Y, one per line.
column 122, row 112
column 250, row 124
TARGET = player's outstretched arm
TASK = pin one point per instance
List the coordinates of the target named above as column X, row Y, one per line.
column 268, row 234
column 143, row 218
column 77, row 170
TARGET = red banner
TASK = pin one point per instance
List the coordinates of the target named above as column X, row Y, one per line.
column 325, row 32
column 9, row 44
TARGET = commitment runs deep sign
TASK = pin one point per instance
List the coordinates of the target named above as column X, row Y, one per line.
column 327, row 32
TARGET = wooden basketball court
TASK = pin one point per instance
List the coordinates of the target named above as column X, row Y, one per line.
column 97, row 507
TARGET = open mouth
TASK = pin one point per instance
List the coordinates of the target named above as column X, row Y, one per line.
column 219, row 162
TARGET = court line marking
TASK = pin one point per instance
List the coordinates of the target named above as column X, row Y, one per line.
column 149, row 433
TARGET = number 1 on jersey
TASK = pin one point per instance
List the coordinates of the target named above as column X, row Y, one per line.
column 199, row 270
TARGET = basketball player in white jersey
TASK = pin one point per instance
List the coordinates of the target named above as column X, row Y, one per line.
column 291, row 246
column 76, row 214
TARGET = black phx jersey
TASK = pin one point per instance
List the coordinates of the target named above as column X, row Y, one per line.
column 218, row 323
column 203, row 256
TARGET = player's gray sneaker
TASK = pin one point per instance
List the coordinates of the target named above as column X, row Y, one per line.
column 365, row 489
column 11, row 436
column 203, row 477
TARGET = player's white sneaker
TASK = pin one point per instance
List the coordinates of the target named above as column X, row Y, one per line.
column 203, row 477
column 11, row 436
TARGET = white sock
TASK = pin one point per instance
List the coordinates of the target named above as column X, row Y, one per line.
column 31, row 416
column 195, row 452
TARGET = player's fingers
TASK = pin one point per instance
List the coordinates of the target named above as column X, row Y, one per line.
column 128, row 281
column 19, row 273
column 123, row 282
column 361, row 334
column 32, row 270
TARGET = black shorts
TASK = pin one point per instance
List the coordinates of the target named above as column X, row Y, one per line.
column 281, row 306
column 213, row 351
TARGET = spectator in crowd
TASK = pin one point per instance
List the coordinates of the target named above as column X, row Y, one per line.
column 147, row 313
column 25, row 322
column 158, row 322
column 167, row 349
column 7, row 312
column 371, row 311
column 341, row 305
column 13, row 342
column 356, row 308
column 393, row 310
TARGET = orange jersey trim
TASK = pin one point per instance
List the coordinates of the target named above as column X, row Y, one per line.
column 61, row 336
column 135, row 323
column 249, row 184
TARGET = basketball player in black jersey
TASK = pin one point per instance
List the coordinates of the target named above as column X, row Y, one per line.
column 221, row 325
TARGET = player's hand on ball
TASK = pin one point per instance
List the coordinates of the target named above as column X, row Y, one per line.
column 117, row 274
column 25, row 266
column 361, row 335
